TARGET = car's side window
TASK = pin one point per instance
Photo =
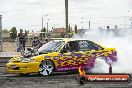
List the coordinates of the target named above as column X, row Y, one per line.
column 88, row 45
column 71, row 46
column 66, row 48
column 83, row 45
column 95, row 46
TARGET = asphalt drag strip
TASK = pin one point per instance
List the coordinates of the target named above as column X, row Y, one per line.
column 58, row 80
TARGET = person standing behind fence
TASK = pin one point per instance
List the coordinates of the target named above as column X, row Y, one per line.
column 35, row 42
column 22, row 39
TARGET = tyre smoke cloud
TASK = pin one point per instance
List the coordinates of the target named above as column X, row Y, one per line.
column 121, row 40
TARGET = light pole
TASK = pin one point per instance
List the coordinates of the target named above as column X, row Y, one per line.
column 1, row 40
column 66, row 15
column 82, row 18
column 46, row 24
column 89, row 24
column 42, row 22
column 82, row 24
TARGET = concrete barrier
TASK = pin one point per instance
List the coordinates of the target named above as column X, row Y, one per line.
column 9, row 54
column 5, row 56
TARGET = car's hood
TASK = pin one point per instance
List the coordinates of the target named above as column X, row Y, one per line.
column 43, row 56
column 16, row 59
column 38, row 58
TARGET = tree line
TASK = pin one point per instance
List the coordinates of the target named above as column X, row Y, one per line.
column 13, row 32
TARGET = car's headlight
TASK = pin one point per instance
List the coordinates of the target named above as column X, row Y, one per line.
column 28, row 60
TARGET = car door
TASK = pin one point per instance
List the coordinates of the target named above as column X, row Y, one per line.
column 84, row 49
column 89, row 51
column 68, row 56
column 96, row 50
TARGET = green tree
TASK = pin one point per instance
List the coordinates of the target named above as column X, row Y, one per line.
column 75, row 29
column 43, row 35
column 13, row 33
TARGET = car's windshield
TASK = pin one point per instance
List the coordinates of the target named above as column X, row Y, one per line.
column 51, row 46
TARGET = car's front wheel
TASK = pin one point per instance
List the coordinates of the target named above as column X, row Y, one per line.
column 46, row 67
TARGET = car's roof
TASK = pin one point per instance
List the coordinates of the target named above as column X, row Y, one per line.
column 72, row 39
column 67, row 39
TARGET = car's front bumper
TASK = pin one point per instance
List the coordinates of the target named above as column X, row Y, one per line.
column 23, row 68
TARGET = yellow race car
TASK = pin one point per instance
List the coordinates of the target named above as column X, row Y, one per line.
column 61, row 55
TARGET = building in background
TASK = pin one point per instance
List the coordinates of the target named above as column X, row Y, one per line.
column 58, row 32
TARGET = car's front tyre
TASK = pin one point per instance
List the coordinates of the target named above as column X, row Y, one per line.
column 46, row 67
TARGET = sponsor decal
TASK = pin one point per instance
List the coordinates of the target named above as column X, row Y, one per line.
column 83, row 78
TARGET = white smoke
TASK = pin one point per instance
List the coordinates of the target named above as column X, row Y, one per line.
column 100, row 67
column 123, row 45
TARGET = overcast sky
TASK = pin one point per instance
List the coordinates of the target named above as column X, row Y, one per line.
column 27, row 14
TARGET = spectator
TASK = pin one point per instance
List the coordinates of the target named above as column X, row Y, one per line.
column 45, row 41
column 22, row 39
column 108, row 28
column 116, row 27
column 36, row 41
